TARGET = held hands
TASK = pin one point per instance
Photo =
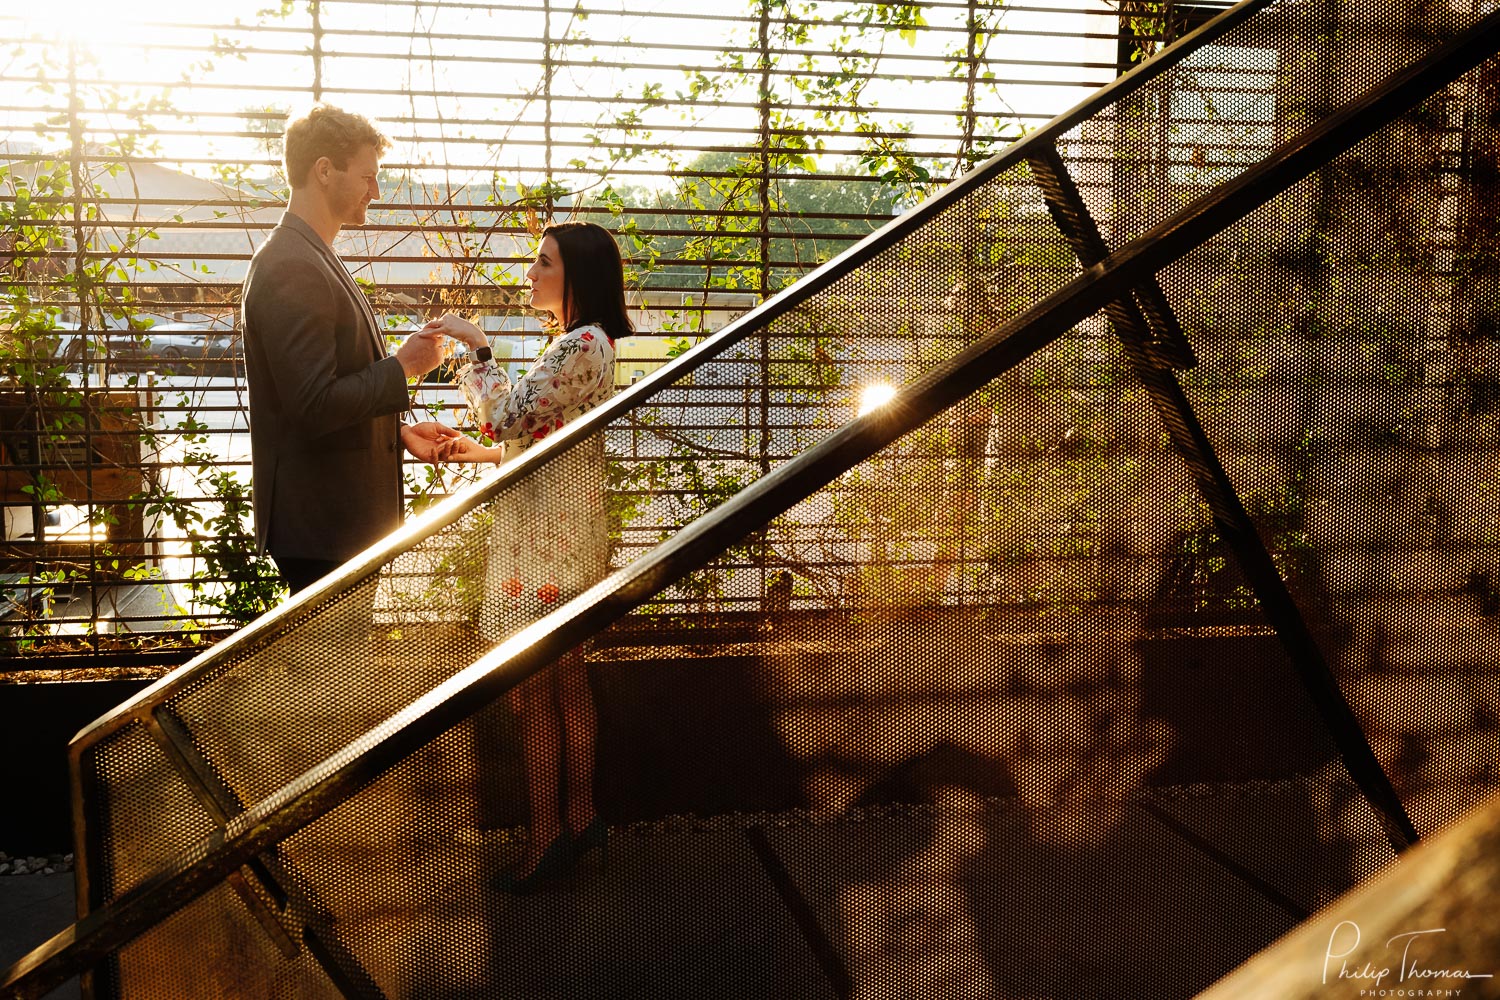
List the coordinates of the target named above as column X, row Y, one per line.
column 434, row 443
column 465, row 449
column 425, row 350
column 429, row 441
column 420, row 353
column 458, row 328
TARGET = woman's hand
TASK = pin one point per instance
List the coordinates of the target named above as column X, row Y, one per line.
column 465, row 449
column 459, row 329
column 429, row 441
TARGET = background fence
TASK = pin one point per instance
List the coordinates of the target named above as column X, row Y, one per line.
column 731, row 148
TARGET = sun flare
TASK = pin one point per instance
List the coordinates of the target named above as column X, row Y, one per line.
column 873, row 397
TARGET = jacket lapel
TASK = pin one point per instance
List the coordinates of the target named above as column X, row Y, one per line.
column 372, row 324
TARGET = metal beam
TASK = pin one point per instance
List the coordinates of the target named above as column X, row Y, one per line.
column 1231, row 520
column 296, row 915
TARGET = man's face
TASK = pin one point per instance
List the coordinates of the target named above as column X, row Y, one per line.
column 350, row 191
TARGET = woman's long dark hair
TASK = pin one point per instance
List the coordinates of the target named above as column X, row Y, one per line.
column 593, row 278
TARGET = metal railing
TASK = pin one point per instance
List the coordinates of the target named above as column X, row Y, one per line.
column 145, row 878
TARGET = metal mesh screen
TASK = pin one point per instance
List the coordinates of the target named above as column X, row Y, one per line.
column 992, row 713
column 145, row 793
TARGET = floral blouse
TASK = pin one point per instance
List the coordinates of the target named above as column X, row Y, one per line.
column 549, row 535
column 574, row 375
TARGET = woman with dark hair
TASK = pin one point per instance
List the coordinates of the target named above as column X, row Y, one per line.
column 578, row 278
column 536, row 559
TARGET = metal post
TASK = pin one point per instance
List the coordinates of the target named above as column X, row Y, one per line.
column 315, row 7
column 547, row 71
column 1232, row 521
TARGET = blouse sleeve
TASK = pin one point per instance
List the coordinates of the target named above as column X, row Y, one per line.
column 485, row 387
column 562, row 379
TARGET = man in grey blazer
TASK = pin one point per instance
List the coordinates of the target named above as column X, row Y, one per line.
column 325, row 397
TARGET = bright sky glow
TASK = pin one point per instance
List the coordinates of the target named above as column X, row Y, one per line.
column 84, row 21
column 110, row 31
column 442, row 65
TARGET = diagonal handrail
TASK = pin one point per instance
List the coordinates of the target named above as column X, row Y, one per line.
column 196, row 870
column 451, row 510
column 268, row 629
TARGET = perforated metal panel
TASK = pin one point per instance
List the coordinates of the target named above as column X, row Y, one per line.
column 991, row 714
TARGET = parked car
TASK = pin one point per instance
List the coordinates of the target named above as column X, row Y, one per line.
column 191, row 342
column 167, row 347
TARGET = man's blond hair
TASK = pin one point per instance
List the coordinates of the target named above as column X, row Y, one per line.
column 325, row 130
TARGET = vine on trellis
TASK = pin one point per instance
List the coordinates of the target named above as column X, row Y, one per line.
column 732, row 221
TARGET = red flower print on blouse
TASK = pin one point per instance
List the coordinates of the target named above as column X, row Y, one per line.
column 573, row 376
column 547, row 593
column 512, row 587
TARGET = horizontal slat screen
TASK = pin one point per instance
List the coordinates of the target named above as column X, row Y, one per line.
column 732, row 147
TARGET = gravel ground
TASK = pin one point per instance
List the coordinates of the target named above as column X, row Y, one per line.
column 37, row 864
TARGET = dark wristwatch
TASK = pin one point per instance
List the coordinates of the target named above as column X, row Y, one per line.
column 482, row 354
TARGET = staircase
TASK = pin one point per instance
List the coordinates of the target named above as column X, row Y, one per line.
column 1077, row 669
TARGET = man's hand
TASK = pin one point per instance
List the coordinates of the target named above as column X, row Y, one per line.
column 459, row 329
column 421, row 352
column 428, row 441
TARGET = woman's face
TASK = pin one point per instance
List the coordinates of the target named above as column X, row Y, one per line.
column 546, row 278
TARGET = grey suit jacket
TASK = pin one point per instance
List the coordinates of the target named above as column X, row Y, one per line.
column 324, row 399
